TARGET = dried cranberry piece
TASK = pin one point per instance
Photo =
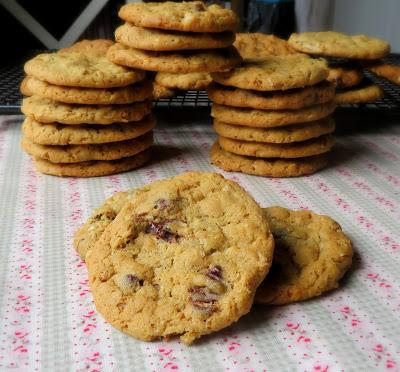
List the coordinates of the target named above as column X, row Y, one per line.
column 162, row 204
column 202, row 298
column 133, row 279
column 215, row 273
column 161, row 232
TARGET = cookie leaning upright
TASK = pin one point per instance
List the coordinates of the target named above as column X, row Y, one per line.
column 182, row 41
column 85, row 115
column 185, row 258
column 271, row 111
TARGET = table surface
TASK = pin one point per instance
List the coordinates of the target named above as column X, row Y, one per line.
column 47, row 318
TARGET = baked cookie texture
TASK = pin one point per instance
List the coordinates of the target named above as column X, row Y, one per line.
column 160, row 40
column 314, row 146
column 159, row 91
column 96, row 47
column 273, row 100
column 138, row 92
column 92, row 168
column 81, row 153
column 345, row 76
column 48, row 111
column 193, row 16
column 312, row 254
column 286, row 134
column 183, row 62
column 360, row 94
column 336, row 44
column 270, row 118
column 182, row 258
column 388, row 71
column 61, row 134
column 189, row 81
column 268, row 167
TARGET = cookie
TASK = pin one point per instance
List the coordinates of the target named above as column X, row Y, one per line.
column 345, row 77
column 60, row 134
column 275, row 100
column 336, row 44
column 314, row 146
column 138, row 92
column 190, row 81
column 266, row 167
column 274, row 73
column 363, row 94
column 81, row 153
column 183, row 258
column 286, row 134
column 269, row 119
column 193, row 16
column 160, row 40
column 76, row 69
column 160, row 92
column 92, row 168
column 48, row 111
column 258, row 45
column 388, row 71
column 97, row 47
column 175, row 62
column 311, row 255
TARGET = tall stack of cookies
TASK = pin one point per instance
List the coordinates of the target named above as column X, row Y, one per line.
column 182, row 42
column 347, row 71
column 85, row 116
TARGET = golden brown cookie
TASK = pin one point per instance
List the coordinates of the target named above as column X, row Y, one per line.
column 314, row 146
column 266, row 167
column 286, row 134
column 183, row 258
column 258, row 45
column 92, row 168
column 160, row 92
column 183, row 62
column 192, row 16
column 362, row 94
column 161, row 40
column 48, row 111
column 269, row 119
column 75, row 69
column 311, row 255
column 190, row 81
column 336, row 44
column 138, row 92
column 274, row 100
column 81, row 153
column 97, row 47
column 344, row 76
column 60, row 134
column 388, row 71
column 274, row 73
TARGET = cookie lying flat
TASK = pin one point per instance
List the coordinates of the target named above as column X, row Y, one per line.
column 159, row 91
column 48, row 111
column 190, row 81
column 286, row 134
column 92, row 168
column 60, row 134
column 274, row 73
column 83, row 70
column 269, row 119
column 274, row 100
column 192, row 16
column 183, row 62
column 314, row 146
column 97, row 47
column 336, row 44
column 266, row 167
column 345, row 77
column 81, row 153
column 362, row 94
column 183, row 258
column 160, row 40
column 312, row 254
column 388, row 71
column 258, row 45
column 138, row 92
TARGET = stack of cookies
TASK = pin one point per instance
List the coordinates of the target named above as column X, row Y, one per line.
column 85, row 116
column 181, row 41
column 272, row 116
column 197, row 251
column 347, row 72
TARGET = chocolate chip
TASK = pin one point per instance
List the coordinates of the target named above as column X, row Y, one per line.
column 161, row 232
column 202, row 298
column 215, row 273
column 133, row 279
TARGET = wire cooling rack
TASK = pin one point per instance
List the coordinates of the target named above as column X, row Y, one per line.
column 11, row 77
